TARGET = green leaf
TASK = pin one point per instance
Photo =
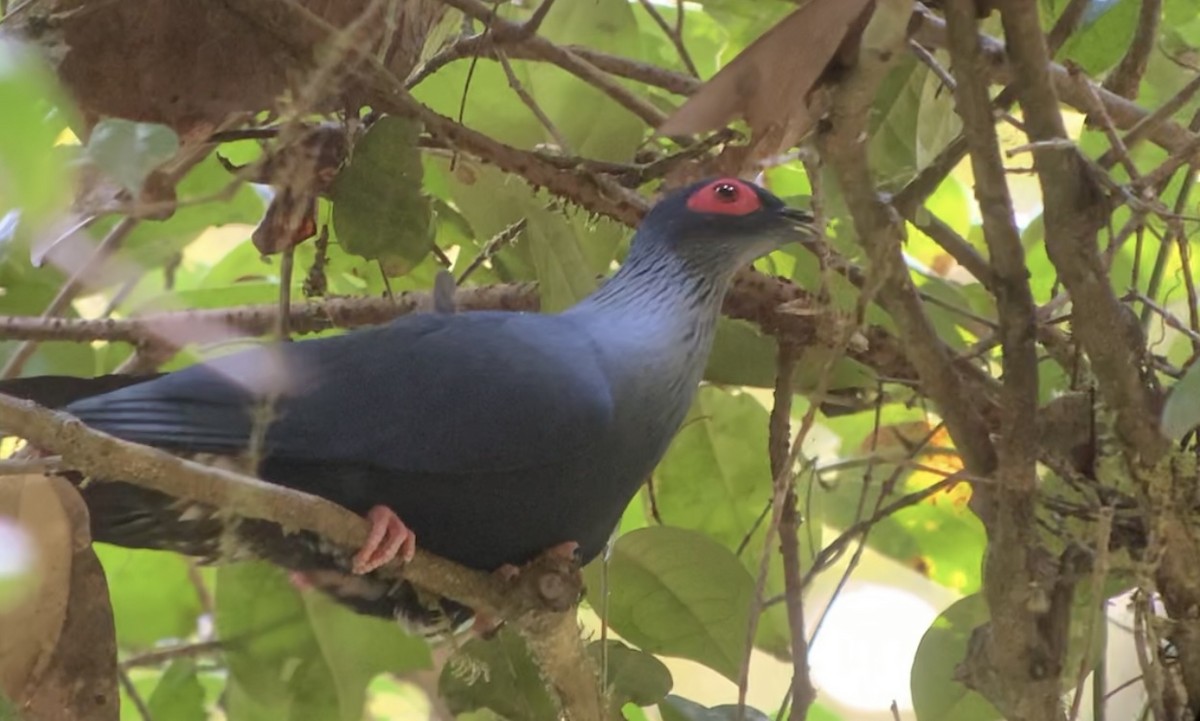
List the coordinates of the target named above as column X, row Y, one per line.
column 677, row 708
column 633, row 676
column 716, row 478
column 262, row 619
column 893, row 144
column 144, row 681
column 152, row 243
column 679, row 593
column 128, row 151
column 741, row 356
column 379, row 210
column 1107, row 28
column 817, row 712
column 936, row 695
column 152, row 596
column 178, row 695
column 605, row 130
column 33, row 177
column 496, row 674
column 301, row 658
column 937, row 123
column 357, row 648
column 564, row 249
column 939, row 537
column 1181, row 412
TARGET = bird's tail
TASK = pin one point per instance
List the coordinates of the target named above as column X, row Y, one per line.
column 134, row 517
column 128, row 515
column 59, row 391
column 124, row 514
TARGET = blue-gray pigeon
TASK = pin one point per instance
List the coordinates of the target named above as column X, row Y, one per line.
column 494, row 435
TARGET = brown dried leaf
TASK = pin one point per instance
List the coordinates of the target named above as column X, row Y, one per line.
column 291, row 219
column 770, row 82
column 29, row 632
column 58, row 648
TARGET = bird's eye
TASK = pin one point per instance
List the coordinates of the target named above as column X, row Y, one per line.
column 727, row 196
column 725, row 192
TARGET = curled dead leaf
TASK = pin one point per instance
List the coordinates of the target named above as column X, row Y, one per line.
column 58, row 647
column 771, row 81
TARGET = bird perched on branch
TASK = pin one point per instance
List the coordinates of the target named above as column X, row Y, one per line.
column 494, row 435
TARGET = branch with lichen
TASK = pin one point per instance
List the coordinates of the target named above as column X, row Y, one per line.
column 540, row 602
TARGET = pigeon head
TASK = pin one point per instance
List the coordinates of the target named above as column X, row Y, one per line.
column 718, row 225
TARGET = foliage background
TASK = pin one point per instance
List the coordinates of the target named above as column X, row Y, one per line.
column 240, row 642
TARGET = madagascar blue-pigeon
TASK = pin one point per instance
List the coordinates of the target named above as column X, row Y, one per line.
column 494, row 435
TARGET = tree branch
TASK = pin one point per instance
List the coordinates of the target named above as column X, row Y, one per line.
column 1074, row 215
column 1015, row 645
column 554, row 635
column 931, row 31
column 501, row 29
column 803, row 692
column 880, row 233
column 1126, row 78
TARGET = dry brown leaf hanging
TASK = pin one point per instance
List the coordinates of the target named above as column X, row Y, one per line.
column 770, row 82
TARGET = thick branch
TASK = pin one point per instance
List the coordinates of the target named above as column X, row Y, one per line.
column 1015, row 647
column 1074, row 214
column 770, row 303
column 102, row 456
column 880, row 233
column 1010, row 282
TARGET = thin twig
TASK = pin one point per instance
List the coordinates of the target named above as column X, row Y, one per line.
column 559, row 139
column 1149, row 123
column 675, row 35
column 1126, row 78
column 286, row 264
column 67, row 293
column 164, row 655
column 135, row 696
column 803, row 692
column 494, row 244
column 1100, row 570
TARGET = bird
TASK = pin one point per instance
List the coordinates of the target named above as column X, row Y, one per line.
column 486, row 437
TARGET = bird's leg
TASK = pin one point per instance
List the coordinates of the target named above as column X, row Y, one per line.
column 552, row 558
column 389, row 538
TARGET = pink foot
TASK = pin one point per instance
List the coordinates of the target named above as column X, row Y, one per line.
column 565, row 550
column 389, row 539
column 300, row 581
column 484, row 626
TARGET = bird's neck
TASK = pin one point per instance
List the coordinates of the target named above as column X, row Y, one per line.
column 658, row 298
column 654, row 323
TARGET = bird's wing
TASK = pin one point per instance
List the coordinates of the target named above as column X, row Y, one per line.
column 470, row 392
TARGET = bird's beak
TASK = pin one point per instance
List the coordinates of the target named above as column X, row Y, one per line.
column 798, row 216
column 803, row 227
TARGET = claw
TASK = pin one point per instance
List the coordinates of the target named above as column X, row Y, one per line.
column 389, row 539
column 567, row 551
column 300, row 581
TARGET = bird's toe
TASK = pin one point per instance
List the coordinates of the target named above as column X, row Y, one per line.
column 389, row 538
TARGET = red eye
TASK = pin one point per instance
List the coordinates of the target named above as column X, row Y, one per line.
column 727, row 196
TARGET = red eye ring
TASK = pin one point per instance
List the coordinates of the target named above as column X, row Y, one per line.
column 725, row 192
column 725, row 196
